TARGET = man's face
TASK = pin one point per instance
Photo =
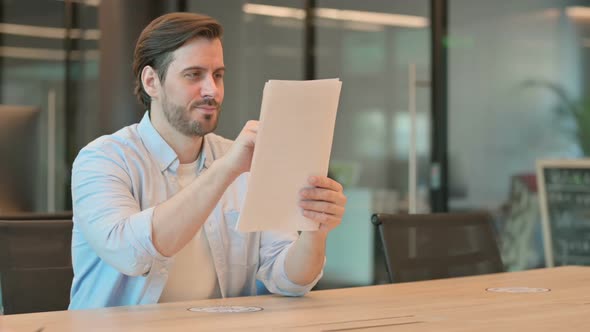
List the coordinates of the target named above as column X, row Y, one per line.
column 193, row 89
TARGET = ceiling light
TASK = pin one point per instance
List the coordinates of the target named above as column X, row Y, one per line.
column 578, row 12
column 47, row 32
column 357, row 16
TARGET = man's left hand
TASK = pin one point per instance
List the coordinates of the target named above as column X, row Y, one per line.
column 323, row 203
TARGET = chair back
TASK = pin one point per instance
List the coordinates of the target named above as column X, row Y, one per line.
column 439, row 245
column 63, row 215
column 35, row 265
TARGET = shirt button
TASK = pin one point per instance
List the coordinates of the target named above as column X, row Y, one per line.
column 163, row 271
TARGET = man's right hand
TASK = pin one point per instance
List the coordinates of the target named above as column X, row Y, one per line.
column 178, row 219
column 239, row 157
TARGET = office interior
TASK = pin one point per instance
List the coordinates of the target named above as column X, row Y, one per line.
column 494, row 86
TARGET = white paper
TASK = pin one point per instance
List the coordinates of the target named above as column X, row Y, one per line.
column 294, row 141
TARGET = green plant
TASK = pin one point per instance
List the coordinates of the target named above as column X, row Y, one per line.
column 578, row 110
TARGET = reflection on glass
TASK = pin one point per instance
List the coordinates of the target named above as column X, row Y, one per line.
column 34, row 62
column 371, row 46
column 514, row 69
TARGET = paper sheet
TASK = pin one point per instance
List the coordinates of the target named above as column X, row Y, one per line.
column 294, row 141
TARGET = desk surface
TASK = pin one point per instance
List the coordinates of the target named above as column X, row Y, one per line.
column 459, row 304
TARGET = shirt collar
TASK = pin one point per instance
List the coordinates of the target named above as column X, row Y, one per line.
column 156, row 145
column 163, row 153
column 207, row 155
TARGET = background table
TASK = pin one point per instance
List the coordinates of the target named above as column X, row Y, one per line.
column 459, row 304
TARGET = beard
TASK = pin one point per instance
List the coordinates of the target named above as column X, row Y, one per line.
column 179, row 117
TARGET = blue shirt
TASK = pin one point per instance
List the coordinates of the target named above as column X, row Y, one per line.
column 117, row 180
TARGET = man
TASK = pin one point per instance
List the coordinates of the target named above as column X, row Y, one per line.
column 156, row 203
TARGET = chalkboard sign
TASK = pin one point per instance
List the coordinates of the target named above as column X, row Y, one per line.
column 564, row 194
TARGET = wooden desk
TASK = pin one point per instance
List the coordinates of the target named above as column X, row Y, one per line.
column 460, row 304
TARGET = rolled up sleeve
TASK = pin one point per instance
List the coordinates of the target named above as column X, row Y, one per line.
column 273, row 254
column 109, row 216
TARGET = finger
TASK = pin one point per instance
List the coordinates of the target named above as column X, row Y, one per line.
column 323, row 218
column 321, row 194
column 322, row 207
column 252, row 125
column 324, row 182
column 248, row 133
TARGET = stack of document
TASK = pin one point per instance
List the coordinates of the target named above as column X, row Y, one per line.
column 294, row 141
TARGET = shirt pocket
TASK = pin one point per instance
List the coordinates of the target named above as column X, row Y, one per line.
column 241, row 244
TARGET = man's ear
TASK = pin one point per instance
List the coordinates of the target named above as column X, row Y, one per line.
column 150, row 81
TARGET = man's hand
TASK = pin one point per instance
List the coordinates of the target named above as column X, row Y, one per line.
column 239, row 157
column 323, row 203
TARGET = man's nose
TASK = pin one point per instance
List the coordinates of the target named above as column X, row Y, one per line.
column 209, row 87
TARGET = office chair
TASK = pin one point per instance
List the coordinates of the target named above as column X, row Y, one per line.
column 440, row 245
column 63, row 215
column 35, row 265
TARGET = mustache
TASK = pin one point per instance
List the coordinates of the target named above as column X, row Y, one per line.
column 206, row 102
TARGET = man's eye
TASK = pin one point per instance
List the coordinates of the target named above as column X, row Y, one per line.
column 191, row 75
column 219, row 75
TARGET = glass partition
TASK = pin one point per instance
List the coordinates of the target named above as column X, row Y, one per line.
column 515, row 70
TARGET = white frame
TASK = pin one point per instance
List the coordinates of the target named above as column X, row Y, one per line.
column 541, row 166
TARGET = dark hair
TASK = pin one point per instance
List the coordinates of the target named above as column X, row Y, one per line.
column 162, row 37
